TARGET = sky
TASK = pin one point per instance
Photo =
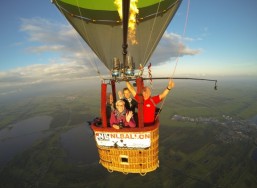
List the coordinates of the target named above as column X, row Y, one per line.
column 38, row 44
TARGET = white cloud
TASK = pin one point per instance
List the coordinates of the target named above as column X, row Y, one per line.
column 44, row 73
column 73, row 59
column 48, row 36
column 46, row 48
column 171, row 46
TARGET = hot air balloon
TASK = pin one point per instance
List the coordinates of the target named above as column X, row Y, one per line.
column 123, row 34
column 99, row 24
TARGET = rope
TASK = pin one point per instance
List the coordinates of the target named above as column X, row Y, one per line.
column 150, row 74
column 167, row 20
column 148, row 42
column 95, row 67
column 177, row 59
column 183, row 35
column 91, row 57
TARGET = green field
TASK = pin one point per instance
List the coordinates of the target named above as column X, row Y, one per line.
column 191, row 154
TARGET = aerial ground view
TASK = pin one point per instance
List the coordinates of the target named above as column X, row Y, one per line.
column 207, row 137
column 57, row 57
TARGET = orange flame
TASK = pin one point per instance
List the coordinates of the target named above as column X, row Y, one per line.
column 132, row 18
column 118, row 4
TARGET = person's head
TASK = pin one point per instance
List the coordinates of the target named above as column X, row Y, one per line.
column 146, row 92
column 109, row 98
column 126, row 93
column 120, row 105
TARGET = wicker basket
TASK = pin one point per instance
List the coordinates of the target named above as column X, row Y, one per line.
column 131, row 160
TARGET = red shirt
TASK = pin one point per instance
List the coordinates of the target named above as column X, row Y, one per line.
column 149, row 108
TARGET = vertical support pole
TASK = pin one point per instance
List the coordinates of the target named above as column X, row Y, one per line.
column 113, row 91
column 140, row 86
column 125, row 17
column 103, row 104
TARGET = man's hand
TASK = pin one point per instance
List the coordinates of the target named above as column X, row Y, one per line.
column 171, row 84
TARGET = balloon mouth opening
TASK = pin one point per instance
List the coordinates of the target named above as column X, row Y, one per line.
column 120, row 70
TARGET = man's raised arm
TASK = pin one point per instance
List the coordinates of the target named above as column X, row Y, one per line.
column 131, row 88
column 166, row 91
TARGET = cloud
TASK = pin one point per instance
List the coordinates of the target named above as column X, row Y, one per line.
column 170, row 47
column 72, row 58
column 52, row 36
column 44, row 73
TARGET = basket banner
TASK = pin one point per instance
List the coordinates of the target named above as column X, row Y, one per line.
column 123, row 139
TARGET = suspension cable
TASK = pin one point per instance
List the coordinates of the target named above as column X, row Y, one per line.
column 177, row 59
column 163, row 25
column 85, row 30
column 94, row 66
column 148, row 42
column 183, row 35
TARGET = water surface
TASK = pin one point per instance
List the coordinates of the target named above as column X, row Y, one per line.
column 80, row 145
column 18, row 137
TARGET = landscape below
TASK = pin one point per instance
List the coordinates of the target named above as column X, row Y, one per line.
column 207, row 137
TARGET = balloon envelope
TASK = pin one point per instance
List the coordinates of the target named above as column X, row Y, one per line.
column 99, row 24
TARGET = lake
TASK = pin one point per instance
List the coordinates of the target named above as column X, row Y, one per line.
column 78, row 142
column 18, row 137
column 80, row 145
